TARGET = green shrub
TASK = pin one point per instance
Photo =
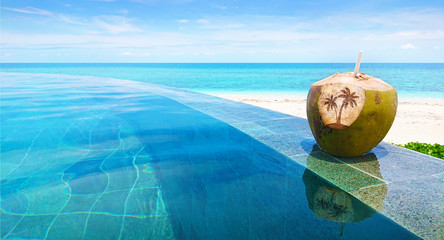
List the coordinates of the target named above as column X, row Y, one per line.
column 435, row 150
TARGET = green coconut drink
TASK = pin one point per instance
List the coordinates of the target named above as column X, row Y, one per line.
column 350, row 113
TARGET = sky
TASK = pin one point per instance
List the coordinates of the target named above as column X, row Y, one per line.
column 221, row 31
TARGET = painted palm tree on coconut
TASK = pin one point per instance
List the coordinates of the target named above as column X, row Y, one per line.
column 349, row 99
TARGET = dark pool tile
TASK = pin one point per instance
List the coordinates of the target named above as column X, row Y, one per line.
column 226, row 110
column 417, row 205
column 367, row 163
column 300, row 159
column 291, row 125
column 290, row 144
column 372, row 196
column 236, row 112
column 335, row 172
column 287, row 144
column 393, row 163
column 253, row 129
column 288, row 140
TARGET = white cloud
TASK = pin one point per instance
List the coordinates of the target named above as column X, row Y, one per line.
column 96, row 40
column 404, row 34
column 143, row 1
column 221, row 7
column 266, row 36
column 29, row 10
column 69, row 19
column 417, row 34
column 437, row 34
column 222, row 26
column 244, row 37
column 408, row 46
column 116, row 24
column 137, row 54
column 395, row 20
column 124, row 11
column 92, row 32
column 220, row 23
column 202, row 21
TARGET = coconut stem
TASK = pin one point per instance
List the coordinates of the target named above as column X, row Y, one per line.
column 358, row 63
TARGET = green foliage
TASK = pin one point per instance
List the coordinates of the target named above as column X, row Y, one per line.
column 435, row 150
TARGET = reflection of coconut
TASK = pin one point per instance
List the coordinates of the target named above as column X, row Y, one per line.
column 331, row 203
column 326, row 168
column 350, row 115
column 334, row 205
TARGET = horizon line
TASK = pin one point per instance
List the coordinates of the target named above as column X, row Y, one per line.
column 214, row 62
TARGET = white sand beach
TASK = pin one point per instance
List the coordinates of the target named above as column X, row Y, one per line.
column 416, row 120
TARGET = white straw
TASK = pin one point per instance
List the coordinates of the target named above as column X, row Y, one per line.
column 358, row 63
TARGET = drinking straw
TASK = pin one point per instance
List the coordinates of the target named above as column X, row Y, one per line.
column 358, row 63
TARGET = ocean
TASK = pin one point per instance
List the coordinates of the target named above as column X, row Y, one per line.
column 423, row 81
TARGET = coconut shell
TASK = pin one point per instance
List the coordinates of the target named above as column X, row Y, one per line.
column 350, row 115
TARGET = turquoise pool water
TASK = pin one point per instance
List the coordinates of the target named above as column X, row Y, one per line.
column 98, row 158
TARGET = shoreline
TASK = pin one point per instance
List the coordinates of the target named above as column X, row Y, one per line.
column 417, row 119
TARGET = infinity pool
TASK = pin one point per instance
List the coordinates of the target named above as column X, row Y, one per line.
column 98, row 158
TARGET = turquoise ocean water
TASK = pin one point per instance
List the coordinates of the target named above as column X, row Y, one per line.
column 412, row 80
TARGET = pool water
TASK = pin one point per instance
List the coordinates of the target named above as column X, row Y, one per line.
column 98, row 158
